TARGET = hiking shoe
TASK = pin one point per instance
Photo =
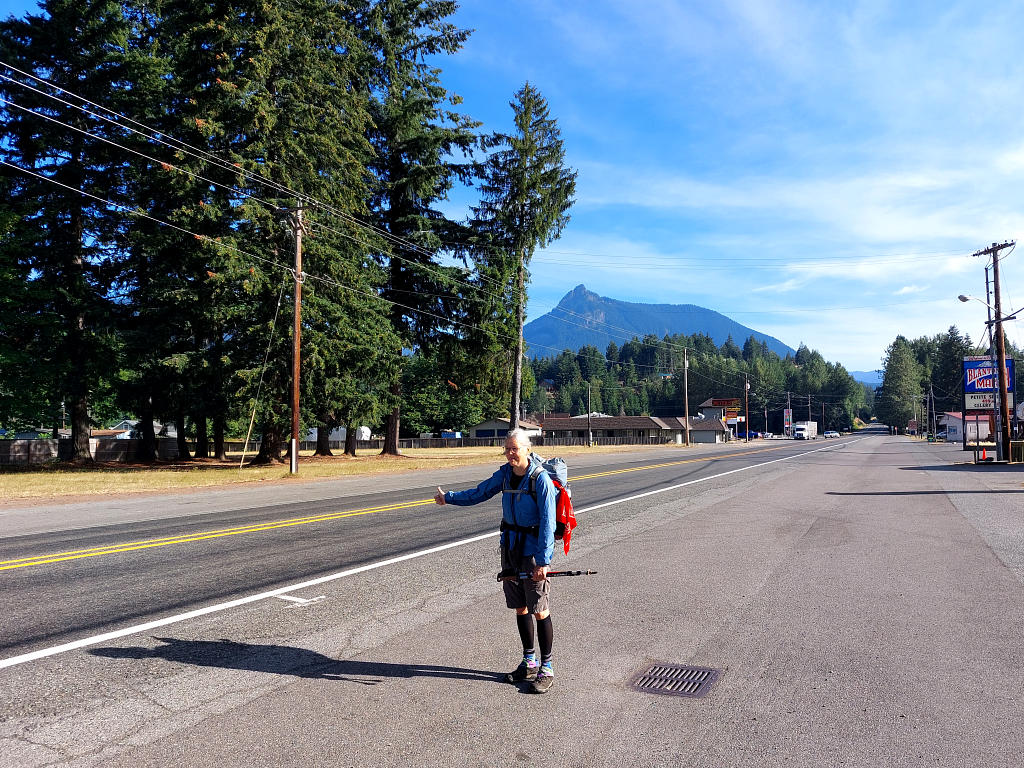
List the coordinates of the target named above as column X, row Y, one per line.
column 525, row 671
column 544, row 680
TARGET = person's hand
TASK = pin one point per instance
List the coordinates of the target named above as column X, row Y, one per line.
column 540, row 572
column 439, row 497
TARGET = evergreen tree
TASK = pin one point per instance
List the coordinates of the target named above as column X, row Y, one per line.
column 68, row 236
column 526, row 195
column 900, row 394
column 729, row 349
column 415, row 132
column 947, row 375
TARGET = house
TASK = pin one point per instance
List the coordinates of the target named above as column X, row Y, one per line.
column 977, row 426
column 625, row 428
column 499, row 428
column 709, row 431
column 636, row 429
column 701, row 430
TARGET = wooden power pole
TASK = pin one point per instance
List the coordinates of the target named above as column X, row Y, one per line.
column 686, row 393
column 297, row 230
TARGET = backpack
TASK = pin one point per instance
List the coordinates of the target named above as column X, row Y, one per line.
column 565, row 518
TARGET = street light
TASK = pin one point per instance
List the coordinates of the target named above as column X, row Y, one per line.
column 1012, row 316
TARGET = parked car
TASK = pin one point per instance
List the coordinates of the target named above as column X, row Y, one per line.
column 940, row 435
column 831, row 433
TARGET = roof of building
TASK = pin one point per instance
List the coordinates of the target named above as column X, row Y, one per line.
column 603, row 422
column 706, row 425
column 635, row 422
column 522, row 424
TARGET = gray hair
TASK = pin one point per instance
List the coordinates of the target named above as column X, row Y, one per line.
column 520, row 436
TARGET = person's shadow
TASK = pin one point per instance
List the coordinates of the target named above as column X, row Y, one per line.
column 284, row 660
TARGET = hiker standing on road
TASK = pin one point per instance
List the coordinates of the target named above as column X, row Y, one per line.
column 528, row 501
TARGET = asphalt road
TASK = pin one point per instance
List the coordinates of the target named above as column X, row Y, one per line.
column 862, row 598
column 99, row 577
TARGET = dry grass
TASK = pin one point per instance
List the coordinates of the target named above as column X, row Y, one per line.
column 42, row 484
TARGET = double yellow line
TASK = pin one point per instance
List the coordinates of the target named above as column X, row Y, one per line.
column 25, row 562
column 163, row 542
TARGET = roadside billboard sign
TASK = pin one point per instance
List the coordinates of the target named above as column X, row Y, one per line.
column 985, row 401
column 981, row 383
column 725, row 402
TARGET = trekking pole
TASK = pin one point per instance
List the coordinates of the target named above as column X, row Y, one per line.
column 509, row 577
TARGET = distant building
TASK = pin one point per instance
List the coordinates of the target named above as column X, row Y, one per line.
column 499, row 428
column 637, row 429
column 720, row 408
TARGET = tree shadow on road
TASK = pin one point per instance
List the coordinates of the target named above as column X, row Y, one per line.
column 923, row 493
column 286, row 660
column 969, row 466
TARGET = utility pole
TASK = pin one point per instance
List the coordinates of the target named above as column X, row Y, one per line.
column 1002, row 405
column 746, row 410
column 590, row 431
column 935, row 413
column 789, row 407
column 686, row 393
column 299, row 275
column 991, row 359
column 808, row 406
column 822, row 415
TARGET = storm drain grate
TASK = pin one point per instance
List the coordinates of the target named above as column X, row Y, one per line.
column 676, row 680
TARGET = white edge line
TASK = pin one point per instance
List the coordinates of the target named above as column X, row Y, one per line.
column 95, row 639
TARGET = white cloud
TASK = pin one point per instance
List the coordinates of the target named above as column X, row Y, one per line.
column 908, row 289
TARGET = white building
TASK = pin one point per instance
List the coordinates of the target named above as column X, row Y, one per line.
column 338, row 435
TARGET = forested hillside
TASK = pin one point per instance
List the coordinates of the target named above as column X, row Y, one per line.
column 645, row 376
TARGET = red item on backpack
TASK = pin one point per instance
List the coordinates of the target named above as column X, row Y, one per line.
column 565, row 518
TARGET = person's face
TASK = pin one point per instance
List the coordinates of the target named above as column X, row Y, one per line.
column 518, row 456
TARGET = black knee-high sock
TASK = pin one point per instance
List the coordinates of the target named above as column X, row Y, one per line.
column 525, row 624
column 545, row 636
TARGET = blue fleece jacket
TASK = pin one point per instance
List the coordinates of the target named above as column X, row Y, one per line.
column 519, row 508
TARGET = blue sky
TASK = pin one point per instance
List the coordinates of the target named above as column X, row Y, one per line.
column 818, row 171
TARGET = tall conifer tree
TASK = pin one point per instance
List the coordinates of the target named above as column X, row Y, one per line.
column 70, row 239
column 416, row 132
column 526, row 192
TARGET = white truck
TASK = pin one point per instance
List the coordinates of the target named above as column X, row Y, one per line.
column 805, row 430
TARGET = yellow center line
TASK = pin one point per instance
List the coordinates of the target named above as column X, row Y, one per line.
column 185, row 538
column 110, row 549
